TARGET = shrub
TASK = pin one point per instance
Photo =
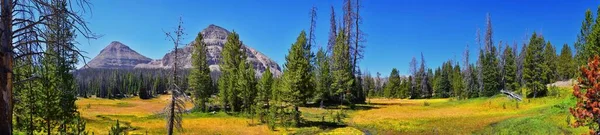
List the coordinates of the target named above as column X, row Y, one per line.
column 587, row 110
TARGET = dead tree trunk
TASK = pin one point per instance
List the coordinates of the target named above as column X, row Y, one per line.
column 6, row 67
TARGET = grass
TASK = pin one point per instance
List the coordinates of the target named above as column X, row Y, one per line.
column 495, row 115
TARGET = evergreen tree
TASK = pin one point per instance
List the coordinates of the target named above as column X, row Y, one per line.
column 297, row 75
column 443, row 84
column 566, row 67
column 51, row 95
column 583, row 45
column 510, row 70
column 323, row 77
column 246, row 86
column 457, row 84
column 232, row 57
column 534, row 67
column 550, row 60
column 392, row 87
column 263, row 95
column 341, row 69
column 490, row 70
column 200, row 83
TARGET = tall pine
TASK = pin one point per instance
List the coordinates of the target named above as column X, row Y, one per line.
column 232, row 57
column 200, row 83
column 297, row 75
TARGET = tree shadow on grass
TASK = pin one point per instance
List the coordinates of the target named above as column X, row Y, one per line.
column 322, row 124
column 336, row 106
column 387, row 104
column 365, row 107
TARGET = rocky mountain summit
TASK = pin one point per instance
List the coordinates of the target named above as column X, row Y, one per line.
column 117, row 55
column 214, row 37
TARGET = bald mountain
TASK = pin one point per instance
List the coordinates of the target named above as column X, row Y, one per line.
column 116, row 56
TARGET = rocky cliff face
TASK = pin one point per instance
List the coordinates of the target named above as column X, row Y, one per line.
column 117, row 55
column 214, row 37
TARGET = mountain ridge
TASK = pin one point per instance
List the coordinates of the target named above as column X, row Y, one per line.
column 214, row 36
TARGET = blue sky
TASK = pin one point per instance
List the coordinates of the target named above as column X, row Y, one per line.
column 396, row 30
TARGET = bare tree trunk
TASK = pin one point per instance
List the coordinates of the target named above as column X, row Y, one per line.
column 6, row 67
column 356, row 38
column 172, row 115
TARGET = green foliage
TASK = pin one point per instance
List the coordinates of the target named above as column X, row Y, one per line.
column 117, row 129
column 263, row 95
column 566, row 67
column 550, row 60
column 246, row 86
column 200, row 83
column 457, row 82
column 443, row 81
column 341, row 69
column 510, row 70
column 392, row 87
column 534, row 68
column 491, row 74
column 588, row 42
column 297, row 76
column 45, row 91
column 232, row 57
column 323, row 78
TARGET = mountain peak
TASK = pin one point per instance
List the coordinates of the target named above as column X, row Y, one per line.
column 117, row 55
column 215, row 32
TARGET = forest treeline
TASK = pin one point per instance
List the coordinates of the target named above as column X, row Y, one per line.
column 501, row 66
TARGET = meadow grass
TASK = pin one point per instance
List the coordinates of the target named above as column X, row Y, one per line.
column 495, row 115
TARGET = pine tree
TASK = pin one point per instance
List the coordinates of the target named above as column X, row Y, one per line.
column 566, row 68
column 323, row 77
column 584, row 48
column 534, row 67
column 392, row 87
column 263, row 95
column 550, row 60
column 246, row 86
column 297, row 75
column 457, row 84
column 510, row 70
column 232, row 57
column 342, row 69
column 443, row 87
column 200, row 83
column 51, row 95
column 490, row 69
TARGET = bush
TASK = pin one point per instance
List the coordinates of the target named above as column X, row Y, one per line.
column 553, row 91
column 116, row 129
